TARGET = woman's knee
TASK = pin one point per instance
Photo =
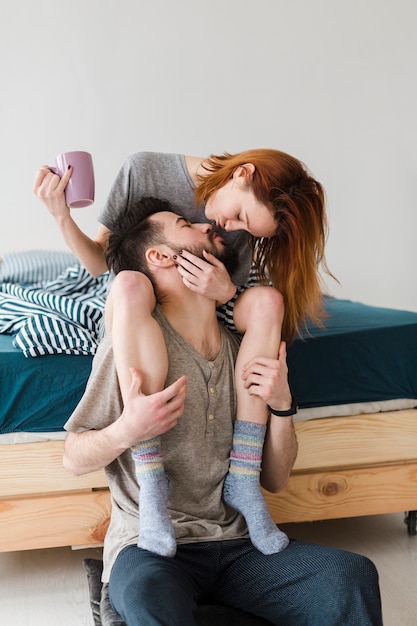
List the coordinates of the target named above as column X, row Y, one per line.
column 259, row 305
column 131, row 293
column 129, row 284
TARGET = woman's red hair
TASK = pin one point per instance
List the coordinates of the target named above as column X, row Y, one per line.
column 291, row 259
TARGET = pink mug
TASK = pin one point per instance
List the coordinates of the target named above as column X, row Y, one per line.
column 79, row 191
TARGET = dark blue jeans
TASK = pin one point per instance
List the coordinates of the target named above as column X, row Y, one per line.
column 305, row 585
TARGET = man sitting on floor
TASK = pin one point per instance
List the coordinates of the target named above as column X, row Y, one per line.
column 215, row 560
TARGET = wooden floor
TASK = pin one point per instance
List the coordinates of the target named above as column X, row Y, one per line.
column 49, row 587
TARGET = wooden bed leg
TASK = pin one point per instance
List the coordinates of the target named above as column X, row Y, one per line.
column 411, row 521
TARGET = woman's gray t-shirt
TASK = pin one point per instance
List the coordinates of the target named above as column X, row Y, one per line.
column 166, row 177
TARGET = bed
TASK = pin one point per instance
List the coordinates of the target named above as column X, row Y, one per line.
column 355, row 379
column 50, row 320
column 357, row 427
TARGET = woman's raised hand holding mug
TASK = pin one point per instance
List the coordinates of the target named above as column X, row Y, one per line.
column 79, row 191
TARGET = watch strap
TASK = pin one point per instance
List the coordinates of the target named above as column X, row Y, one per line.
column 291, row 411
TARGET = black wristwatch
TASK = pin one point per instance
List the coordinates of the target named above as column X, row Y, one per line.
column 291, row 411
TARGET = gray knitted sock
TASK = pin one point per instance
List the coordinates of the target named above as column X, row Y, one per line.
column 156, row 532
column 242, row 489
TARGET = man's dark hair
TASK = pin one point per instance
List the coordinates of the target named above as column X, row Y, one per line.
column 133, row 233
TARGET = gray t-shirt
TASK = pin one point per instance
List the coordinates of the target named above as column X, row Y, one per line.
column 196, row 451
column 165, row 176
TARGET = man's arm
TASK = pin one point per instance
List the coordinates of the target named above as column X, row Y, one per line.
column 279, row 454
column 91, row 450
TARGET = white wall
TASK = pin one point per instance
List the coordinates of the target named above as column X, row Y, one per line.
column 332, row 82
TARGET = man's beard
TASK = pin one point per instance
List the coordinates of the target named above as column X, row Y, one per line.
column 226, row 254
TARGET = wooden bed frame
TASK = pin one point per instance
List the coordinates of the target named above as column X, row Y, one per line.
column 346, row 467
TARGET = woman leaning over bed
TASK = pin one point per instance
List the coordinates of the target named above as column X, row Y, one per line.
column 267, row 205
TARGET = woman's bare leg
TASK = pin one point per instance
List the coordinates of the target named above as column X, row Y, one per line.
column 138, row 341
column 258, row 315
column 136, row 336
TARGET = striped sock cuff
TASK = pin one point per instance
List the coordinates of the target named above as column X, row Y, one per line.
column 246, row 453
column 148, row 469
column 148, row 457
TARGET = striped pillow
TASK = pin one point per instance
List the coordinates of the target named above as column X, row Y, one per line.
column 33, row 266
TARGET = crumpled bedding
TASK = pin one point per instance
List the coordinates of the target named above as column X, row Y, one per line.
column 60, row 316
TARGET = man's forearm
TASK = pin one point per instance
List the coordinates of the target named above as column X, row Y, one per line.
column 279, row 454
column 90, row 450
